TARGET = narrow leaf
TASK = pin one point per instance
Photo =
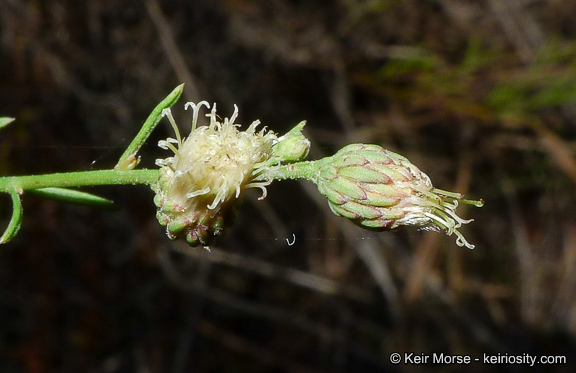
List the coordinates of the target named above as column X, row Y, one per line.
column 4, row 121
column 128, row 160
column 73, row 196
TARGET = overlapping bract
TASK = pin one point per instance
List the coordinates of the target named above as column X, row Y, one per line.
column 379, row 189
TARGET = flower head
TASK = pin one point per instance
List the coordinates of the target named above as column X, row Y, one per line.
column 200, row 186
column 378, row 189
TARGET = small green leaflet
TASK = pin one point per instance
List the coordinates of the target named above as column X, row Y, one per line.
column 72, row 196
column 4, row 121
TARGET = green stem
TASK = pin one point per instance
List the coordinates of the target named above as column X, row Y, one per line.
column 300, row 170
column 76, row 179
column 15, row 221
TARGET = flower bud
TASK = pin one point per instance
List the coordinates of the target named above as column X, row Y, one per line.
column 199, row 188
column 378, row 189
column 292, row 147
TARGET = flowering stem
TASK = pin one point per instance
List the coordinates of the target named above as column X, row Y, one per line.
column 76, row 179
column 301, row 170
column 52, row 186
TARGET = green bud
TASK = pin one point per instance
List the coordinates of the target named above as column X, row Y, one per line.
column 379, row 189
column 292, row 147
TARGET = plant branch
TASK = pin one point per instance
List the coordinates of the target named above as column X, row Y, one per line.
column 15, row 221
column 299, row 170
column 77, row 179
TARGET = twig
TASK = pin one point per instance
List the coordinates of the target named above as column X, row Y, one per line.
column 171, row 49
column 264, row 268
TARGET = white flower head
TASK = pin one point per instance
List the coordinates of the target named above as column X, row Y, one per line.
column 201, row 184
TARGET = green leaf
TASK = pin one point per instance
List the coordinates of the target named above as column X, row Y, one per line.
column 4, row 121
column 15, row 221
column 73, row 196
column 128, row 160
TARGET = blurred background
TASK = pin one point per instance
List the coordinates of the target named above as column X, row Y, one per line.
column 480, row 95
